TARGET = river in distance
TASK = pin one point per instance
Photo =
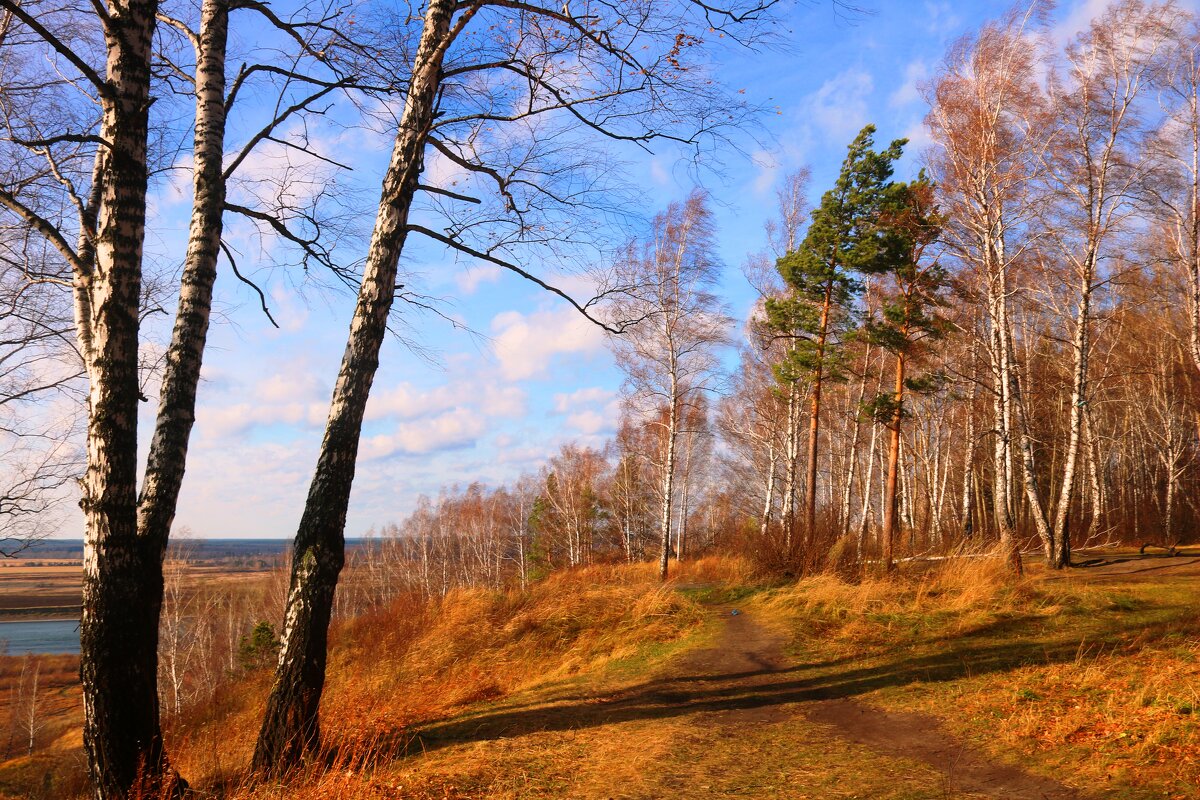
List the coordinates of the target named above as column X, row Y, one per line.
column 43, row 636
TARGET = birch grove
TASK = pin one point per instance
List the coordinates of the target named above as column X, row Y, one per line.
column 997, row 354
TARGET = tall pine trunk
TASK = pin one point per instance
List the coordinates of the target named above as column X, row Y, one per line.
column 888, row 533
column 291, row 731
column 814, row 429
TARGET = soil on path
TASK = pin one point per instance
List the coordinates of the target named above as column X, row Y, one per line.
column 748, row 654
column 736, row 719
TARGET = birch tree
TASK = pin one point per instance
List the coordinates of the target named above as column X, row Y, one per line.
column 1098, row 167
column 79, row 85
column 522, row 98
column 668, row 358
column 989, row 125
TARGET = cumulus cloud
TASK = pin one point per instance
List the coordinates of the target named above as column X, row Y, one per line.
column 839, row 107
column 293, row 395
column 459, row 427
column 406, row 401
column 526, row 344
column 474, row 277
column 565, row 403
column 589, row 422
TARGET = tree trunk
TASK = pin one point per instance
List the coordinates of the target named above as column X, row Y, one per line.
column 793, row 456
column 968, row 485
column 853, row 457
column 290, row 730
column 668, row 482
column 1007, row 411
column 769, row 498
column 1093, row 467
column 814, row 427
column 122, row 581
column 888, row 533
column 684, row 497
column 177, row 396
column 1061, row 533
column 866, row 503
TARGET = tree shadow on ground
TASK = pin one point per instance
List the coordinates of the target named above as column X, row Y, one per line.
column 973, row 653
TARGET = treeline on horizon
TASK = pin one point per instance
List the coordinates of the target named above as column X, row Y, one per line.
column 1046, row 317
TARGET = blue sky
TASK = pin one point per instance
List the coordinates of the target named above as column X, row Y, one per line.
column 533, row 375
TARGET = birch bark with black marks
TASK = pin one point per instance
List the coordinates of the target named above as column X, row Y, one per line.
column 122, row 583
column 290, row 730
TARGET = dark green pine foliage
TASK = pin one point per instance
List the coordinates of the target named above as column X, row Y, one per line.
column 816, row 314
column 913, row 289
column 843, row 239
column 913, row 292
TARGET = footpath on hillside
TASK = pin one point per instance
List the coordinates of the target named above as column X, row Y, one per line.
column 734, row 717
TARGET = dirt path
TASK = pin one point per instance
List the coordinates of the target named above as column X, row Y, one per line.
column 921, row 738
column 748, row 655
column 733, row 719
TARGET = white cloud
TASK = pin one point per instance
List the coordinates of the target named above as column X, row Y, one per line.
column 293, row 395
column 565, row 403
column 241, row 417
column 459, row 427
column 589, row 422
column 768, row 165
column 526, row 344
column 909, row 91
column 1078, row 19
column 659, row 174
column 839, row 108
column 405, row 401
column 442, row 172
column 507, row 402
column 473, row 277
column 919, row 140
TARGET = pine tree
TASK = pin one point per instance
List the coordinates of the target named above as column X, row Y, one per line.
column 908, row 320
column 816, row 314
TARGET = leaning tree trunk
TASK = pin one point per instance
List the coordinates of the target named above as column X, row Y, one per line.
column 122, row 580
column 290, row 731
column 177, row 396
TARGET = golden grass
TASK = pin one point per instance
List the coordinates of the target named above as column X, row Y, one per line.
column 417, row 662
column 1100, row 678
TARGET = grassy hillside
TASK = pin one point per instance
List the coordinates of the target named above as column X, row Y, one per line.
column 602, row 683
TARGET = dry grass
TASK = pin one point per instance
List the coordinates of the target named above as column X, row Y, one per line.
column 1099, row 678
column 417, row 662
